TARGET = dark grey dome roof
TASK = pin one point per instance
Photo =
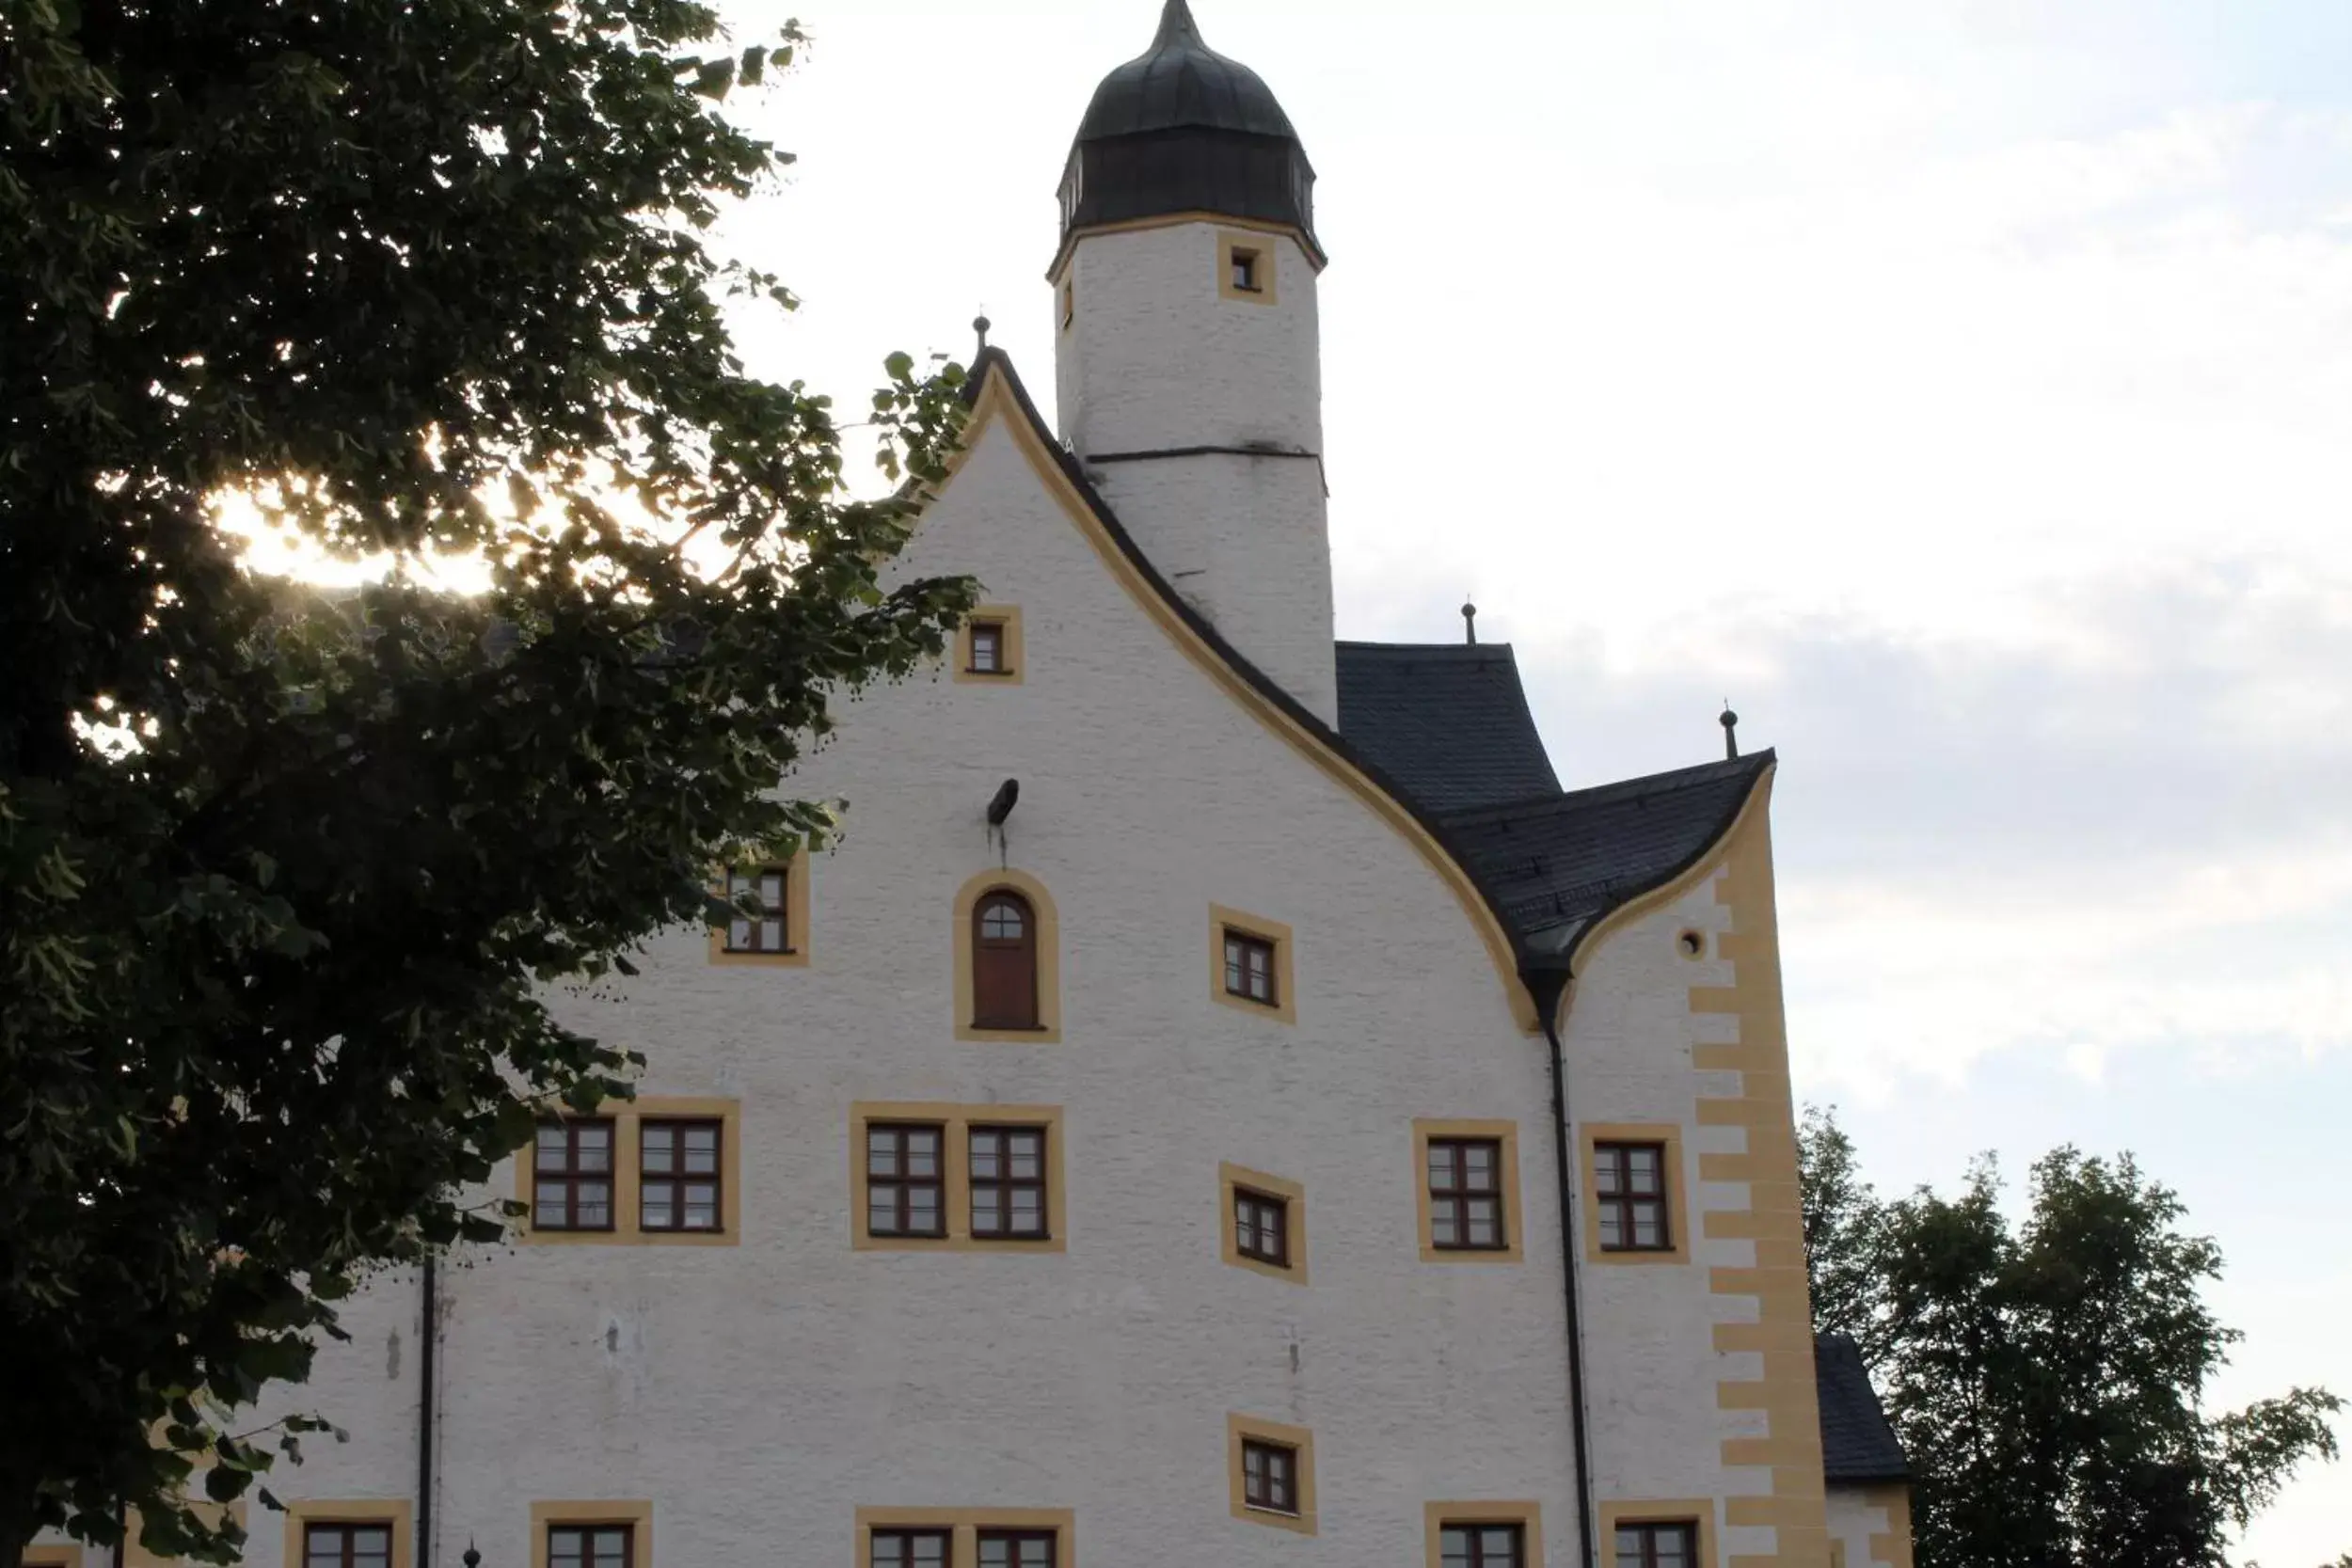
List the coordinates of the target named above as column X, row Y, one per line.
column 1181, row 81
column 1181, row 129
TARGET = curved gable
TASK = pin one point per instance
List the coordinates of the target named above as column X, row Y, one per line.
column 996, row 394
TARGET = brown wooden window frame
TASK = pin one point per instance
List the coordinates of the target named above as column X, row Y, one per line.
column 1001, row 1189
column 999, row 648
column 902, row 1185
column 1269, row 1476
column 571, row 1177
column 1646, row 1533
column 588, row 1530
column 1014, row 1540
column 777, row 911
column 1474, row 1533
column 349, row 1556
column 680, row 1177
column 983, row 944
column 1454, row 1203
column 905, row 1539
column 1252, row 1211
column 1251, row 957
column 1614, row 1157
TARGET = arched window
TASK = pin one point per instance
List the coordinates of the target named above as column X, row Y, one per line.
column 1003, row 962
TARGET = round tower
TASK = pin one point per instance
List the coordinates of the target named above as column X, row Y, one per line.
column 1187, row 368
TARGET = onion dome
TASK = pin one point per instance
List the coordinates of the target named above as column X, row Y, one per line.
column 1181, row 129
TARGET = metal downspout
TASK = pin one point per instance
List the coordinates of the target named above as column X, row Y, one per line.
column 1546, row 987
column 429, row 1314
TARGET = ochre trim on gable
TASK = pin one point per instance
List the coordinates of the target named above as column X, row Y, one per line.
column 996, row 400
column 1757, row 804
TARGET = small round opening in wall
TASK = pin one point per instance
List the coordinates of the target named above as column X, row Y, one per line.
column 1691, row 943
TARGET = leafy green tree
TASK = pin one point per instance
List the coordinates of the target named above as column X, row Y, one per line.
column 2046, row 1379
column 284, row 876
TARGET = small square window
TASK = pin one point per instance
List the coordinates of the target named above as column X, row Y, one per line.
column 1629, row 1189
column 1261, row 1226
column 347, row 1545
column 1269, row 1476
column 987, row 648
column 678, row 1175
column 1244, row 264
column 1482, row 1545
column 910, row 1548
column 906, row 1179
column 1008, row 1178
column 1250, row 968
column 765, row 932
column 590, row 1545
column 1069, row 301
column 1016, row 1549
column 1657, row 1546
column 571, row 1175
column 1465, row 1195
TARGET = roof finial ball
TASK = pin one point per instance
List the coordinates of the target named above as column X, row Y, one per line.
column 1730, row 723
column 980, row 326
column 1469, row 622
column 472, row 1558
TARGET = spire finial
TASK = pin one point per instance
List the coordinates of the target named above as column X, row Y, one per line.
column 1731, row 721
column 979, row 325
column 1176, row 25
column 1469, row 622
column 473, row 1558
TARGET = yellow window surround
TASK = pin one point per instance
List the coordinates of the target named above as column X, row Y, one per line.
column 1293, row 1196
column 1261, row 249
column 955, row 1176
column 1528, row 1515
column 1048, row 1030
column 636, row 1514
column 628, row 1116
column 796, row 921
column 1276, row 935
column 1301, row 1442
column 1012, row 653
column 963, row 1526
column 1506, row 1133
column 302, row 1513
column 1698, row 1512
column 1592, row 1134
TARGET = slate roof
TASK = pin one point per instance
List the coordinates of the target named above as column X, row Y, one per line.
column 1858, row 1444
column 1181, row 82
column 1555, row 866
column 1447, row 720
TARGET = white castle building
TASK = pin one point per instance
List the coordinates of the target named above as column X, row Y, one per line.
column 1302, row 1133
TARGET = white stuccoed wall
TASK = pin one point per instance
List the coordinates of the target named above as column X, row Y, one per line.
column 1155, row 358
column 1652, row 1369
column 759, row 1394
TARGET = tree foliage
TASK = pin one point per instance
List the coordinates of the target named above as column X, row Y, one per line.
column 284, row 875
column 2047, row 1378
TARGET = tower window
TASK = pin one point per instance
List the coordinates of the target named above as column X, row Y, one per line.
column 1068, row 300
column 770, row 933
column 1245, row 267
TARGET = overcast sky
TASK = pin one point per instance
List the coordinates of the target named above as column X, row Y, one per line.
column 1964, row 387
